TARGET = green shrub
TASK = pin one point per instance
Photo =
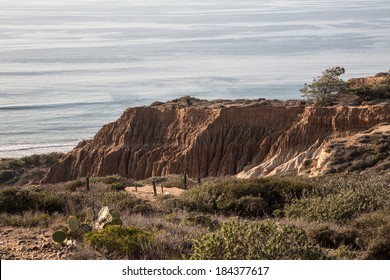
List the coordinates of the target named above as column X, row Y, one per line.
column 7, row 176
column 110, row 179
column 379, row 90
column 344, row 253
column 374, row 230
column 52, row 203
column 118, row 186
column 325, row 236
column 120, row 201
column 27, row 219
column 11, row 164
column 41, row 160
column 168, row 203
column 337, row 208
column 23, row 170
column 156, row 103
column 142, row 208
column 249, row 206
column 252, row 198
column 379, row 248
column 255, row 240
column 115, row 182
column 74, row 185
column 339, row 199
column 201, row 220
column 119, row 241
column 17, row 200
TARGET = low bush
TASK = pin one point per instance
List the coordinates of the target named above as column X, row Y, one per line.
column 114, row 182
column 374, row 230
column 121, row 201
column 74, row 185
column 119, row 241
column 339, row 199
column 345, row 253
column 201, row 220
column 379, row 90
column 118, row 186
column 255, row 240
column 26, row 219
column 379, row 248
column 41, row 160
column 337, row 208
column 110, row 179
column 249, row 198
column 7, row 176
column 143, row 208
column 16, row 201
column 20, row 171
column 328, row 237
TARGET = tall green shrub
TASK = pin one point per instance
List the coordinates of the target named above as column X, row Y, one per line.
column 119, row 241
column 253, row 241
column 248, row 198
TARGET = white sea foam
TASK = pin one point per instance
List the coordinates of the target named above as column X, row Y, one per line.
column 15, row 151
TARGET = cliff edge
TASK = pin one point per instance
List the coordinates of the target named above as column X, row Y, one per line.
column 246, row 138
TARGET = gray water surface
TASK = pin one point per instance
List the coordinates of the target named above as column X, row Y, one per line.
column 68, row 67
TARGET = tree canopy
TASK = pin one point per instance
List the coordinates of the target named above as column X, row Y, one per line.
column 326, row 87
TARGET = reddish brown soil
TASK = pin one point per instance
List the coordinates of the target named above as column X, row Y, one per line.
column 19, row 243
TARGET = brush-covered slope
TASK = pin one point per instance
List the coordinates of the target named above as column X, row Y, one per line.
column 202, row 138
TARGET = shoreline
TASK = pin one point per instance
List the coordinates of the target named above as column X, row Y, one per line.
column 19, row 155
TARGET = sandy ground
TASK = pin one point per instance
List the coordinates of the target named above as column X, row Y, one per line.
column 146, row 192
column 18, row 243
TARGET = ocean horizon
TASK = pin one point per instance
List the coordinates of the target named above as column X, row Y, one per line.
column 69, row 67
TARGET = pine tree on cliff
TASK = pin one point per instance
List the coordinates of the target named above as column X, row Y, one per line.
column 325, row 88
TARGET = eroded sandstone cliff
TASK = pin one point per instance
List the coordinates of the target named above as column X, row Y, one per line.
column 254, row 138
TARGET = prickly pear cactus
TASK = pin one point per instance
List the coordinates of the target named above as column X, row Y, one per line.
column 115, row 214
column 89, row 215
column 74, row 231
column 77, row 229
column 115, row 218
column 59, row 236
column 103, row 217
column 107, row 217
column 73, row 223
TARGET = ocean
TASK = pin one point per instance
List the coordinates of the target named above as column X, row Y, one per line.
column 68, row 67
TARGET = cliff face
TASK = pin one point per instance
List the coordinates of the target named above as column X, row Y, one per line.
column 248, row 140
column 356, row 83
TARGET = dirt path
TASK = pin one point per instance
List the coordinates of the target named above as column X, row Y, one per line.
column 19, row 243
column 146, row 192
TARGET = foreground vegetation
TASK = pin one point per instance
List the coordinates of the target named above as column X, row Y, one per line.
column 332, row 217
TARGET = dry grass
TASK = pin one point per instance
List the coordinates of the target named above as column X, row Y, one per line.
column 175, row 226
column 192, row 102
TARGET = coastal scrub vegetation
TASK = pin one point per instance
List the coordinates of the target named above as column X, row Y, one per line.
column 246, row 198
column 329, row 217
column 253, row 240
column 329, row 88
column 19, row 171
